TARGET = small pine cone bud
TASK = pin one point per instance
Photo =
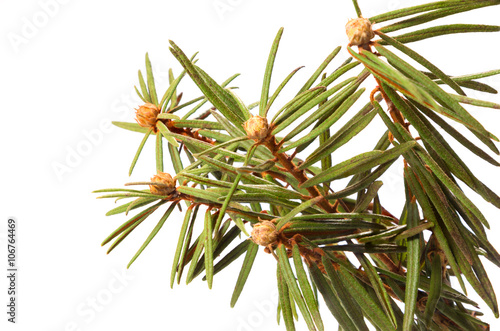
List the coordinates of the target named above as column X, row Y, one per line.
column 256, row 128
column 359, row 31
column 146, row 115
column 264, row 233
column 165, row 179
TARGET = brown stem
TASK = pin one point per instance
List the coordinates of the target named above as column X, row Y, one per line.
column 396, row 115
column 287, row 162
column 385, row 259
column 185, row 131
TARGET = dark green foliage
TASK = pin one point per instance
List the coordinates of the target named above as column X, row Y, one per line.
column 332, row 239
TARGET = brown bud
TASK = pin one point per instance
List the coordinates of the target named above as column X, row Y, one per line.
column 146, row 115
column 264, row 233
column 359, row 31
column 165, row 186
column 256, row 128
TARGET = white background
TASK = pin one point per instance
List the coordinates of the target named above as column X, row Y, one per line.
column 68, row 68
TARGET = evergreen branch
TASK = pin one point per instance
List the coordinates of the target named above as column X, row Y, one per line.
column 240, row 171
